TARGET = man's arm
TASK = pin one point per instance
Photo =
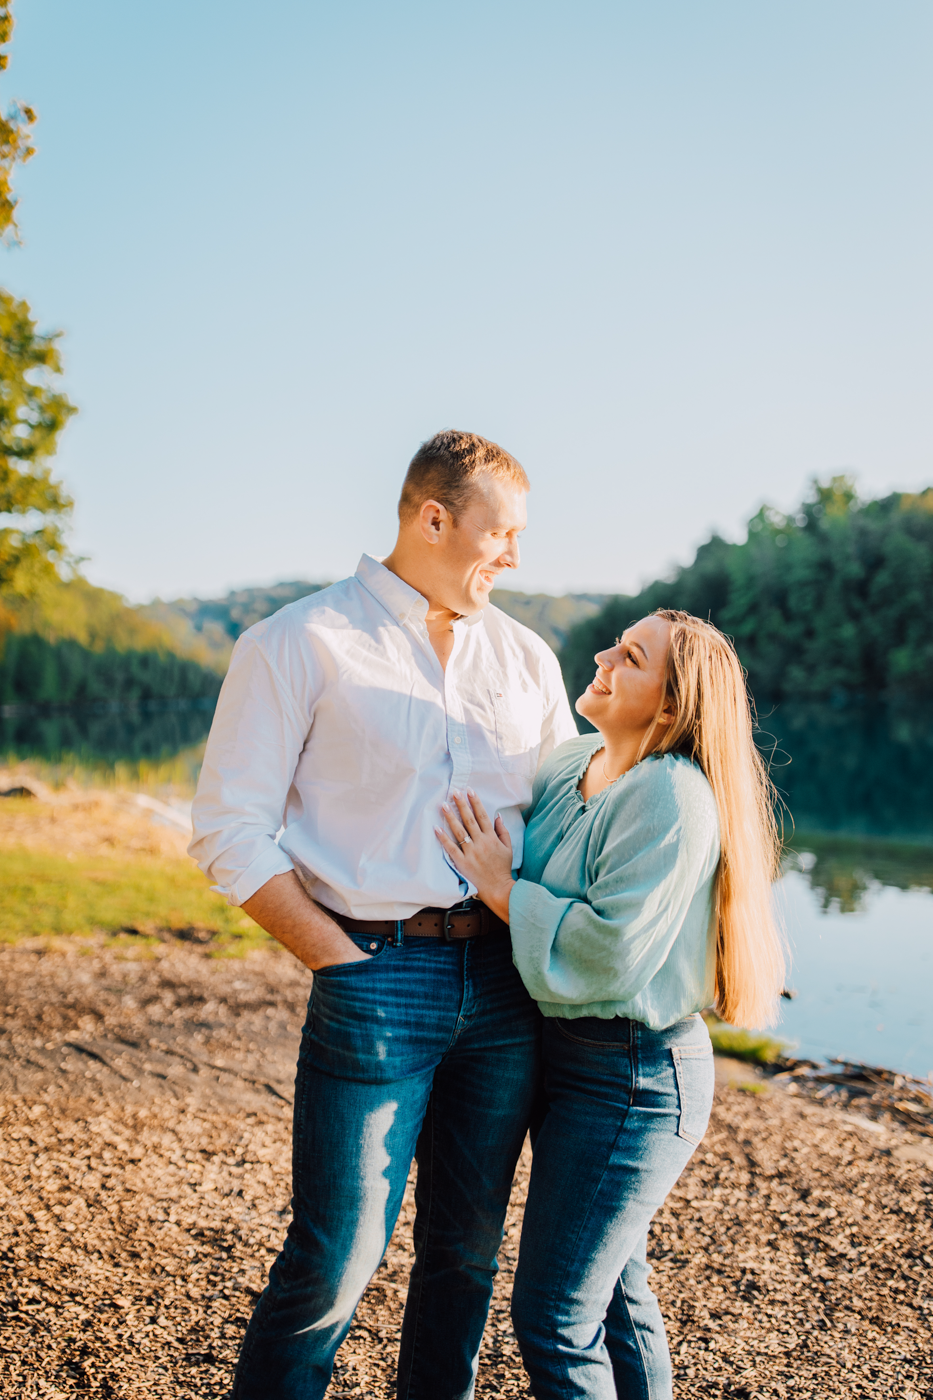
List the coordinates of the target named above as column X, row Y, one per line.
column 260, row 726
column 283, row 909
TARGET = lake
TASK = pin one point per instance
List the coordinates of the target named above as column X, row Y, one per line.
column 856, row 898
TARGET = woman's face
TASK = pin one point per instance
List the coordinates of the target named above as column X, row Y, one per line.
column 624, row 695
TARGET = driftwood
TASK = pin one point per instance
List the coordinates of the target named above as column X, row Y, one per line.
column 880, row 1092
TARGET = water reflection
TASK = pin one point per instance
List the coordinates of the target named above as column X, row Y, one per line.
column 862, row 977
column 862, row 770
column 856, row 898
column 842, row 870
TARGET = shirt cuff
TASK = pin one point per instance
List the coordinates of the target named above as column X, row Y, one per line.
column 273, row 861
column 534, row 918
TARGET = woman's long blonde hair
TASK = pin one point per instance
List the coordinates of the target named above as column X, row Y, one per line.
column 713, row 726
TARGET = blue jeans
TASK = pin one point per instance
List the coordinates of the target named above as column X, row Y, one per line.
column 626, row 1106
column 431, row 1050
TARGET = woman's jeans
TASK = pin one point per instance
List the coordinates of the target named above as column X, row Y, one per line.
column 626, row 1108
column 431, row 1045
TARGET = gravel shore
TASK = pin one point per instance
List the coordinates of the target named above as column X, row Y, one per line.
column 145, row 1140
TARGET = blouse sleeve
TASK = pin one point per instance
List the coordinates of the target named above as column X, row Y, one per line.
column 647, row 869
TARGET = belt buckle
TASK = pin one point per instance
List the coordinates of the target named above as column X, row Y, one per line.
column 466, row 906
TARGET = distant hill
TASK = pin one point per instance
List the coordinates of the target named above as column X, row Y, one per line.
column 551, row 617
column 208, row 627
column 74, row 610
column 74, row 644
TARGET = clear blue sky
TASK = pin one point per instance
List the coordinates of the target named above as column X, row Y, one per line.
column 675, row 256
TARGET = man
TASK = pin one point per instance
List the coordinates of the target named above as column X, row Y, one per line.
column 345, row 723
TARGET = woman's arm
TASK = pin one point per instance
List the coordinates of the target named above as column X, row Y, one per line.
column 651, row 865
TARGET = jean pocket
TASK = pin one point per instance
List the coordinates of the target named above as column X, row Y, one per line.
column 595, row 1032
column 693, row 1065
column 372, row 947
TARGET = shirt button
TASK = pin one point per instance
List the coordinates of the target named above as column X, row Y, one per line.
column 401, row 617
column 457, row 740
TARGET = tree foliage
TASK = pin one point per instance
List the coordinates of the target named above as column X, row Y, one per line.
column 76, row 610
column 37, row 672
column 33, row 410
column 831, row 600
column 15, row 137
column 74, row 644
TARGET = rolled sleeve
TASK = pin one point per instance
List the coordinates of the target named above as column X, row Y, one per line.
column 260, row 727
column 271, row 861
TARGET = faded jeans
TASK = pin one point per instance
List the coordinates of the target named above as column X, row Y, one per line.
column 429, row 1049
column 626, row 1106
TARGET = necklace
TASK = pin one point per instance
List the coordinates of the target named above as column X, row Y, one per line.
column 609, row 780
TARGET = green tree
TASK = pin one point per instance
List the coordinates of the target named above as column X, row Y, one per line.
column 831, row 600
column 33, row 410
column 15, row 137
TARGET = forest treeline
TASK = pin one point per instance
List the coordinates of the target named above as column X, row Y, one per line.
column 71, row 643
column 833, row 600
column 38, row 672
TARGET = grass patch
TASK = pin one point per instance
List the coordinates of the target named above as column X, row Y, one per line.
column 754, row 1046
column 48, row 895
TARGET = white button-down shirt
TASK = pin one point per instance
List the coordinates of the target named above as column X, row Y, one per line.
column 338, row 735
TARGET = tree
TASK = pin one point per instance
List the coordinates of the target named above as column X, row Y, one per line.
column 832, row 600
column 33, row 410
column 32, row 414
column 15, row 137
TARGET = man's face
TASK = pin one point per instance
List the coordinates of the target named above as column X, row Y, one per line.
column 472, row 553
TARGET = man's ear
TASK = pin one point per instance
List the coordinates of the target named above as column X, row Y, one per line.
column 433, row 518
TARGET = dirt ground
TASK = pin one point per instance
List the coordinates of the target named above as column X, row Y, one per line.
column 144, row 1188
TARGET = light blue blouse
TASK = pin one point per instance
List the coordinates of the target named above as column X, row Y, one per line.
column 612, row 913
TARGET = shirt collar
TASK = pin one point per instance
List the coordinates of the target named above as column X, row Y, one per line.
column 402, row 601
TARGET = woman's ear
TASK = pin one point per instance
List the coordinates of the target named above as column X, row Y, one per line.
column 667, row 715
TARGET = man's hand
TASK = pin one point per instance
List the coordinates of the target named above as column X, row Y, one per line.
column 480, row 849
column 283, row 909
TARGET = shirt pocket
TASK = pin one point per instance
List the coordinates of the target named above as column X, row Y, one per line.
column 518, row 716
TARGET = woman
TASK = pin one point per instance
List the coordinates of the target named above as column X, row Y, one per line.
column 644, row 895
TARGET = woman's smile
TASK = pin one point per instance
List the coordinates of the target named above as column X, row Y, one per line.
column 599, row 686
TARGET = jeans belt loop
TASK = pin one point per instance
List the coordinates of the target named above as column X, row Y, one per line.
column 398, row 938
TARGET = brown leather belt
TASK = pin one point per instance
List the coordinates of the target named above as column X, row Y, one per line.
column 466, row 920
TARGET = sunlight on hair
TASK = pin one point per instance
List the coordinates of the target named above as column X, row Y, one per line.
column 713, row 726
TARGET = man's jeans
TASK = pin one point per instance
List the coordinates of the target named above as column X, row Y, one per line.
column 430, row 1045
column 626, row 1107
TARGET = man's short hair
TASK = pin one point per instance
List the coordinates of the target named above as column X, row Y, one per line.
column 449, row 468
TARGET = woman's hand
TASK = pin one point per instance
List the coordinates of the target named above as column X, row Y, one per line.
column 480, row 849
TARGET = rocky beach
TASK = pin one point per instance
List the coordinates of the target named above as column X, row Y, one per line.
column 145, row 1095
